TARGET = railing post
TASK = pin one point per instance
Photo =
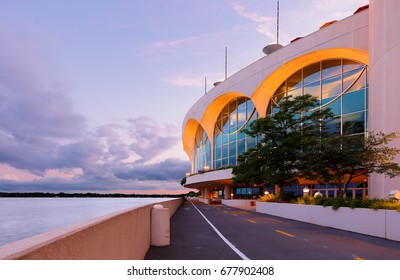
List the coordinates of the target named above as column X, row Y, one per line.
column 160, row 226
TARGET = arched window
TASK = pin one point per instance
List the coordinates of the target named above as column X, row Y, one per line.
column 229, row 139
column 339, row 84
column 202, row 153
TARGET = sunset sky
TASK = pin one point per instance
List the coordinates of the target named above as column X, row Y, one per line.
column 93, row 93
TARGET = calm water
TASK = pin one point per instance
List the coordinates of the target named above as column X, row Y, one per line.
column 25, row 217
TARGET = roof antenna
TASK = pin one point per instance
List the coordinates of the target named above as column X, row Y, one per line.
column 277, row 22
column 226, row 62
column 205, row 85
column 274, row 47
column 226, row 68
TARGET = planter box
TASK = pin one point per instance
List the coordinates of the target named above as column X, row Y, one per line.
column 365, row 221
column 296, row 212
column 380, row 223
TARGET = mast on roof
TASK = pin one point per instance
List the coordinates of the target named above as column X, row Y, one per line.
column 274, row 47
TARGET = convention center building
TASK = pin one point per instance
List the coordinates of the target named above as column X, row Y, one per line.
column 351, row 65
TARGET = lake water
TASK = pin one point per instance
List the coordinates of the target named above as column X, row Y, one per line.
column 25, row 217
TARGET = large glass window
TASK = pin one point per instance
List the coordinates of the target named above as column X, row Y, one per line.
column 339, row 84
column 342, row 86
column 229, row 139
column 202, row 153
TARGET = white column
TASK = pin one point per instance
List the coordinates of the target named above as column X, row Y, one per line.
column 384, row 82
column 227, row 192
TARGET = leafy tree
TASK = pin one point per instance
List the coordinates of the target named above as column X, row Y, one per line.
column 275, row 160
column 341, row 158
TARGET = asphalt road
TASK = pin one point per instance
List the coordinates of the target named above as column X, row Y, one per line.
column 258, row 236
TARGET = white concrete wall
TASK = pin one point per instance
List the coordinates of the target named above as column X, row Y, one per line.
column 380, row 223
column 119, row 236
column 384, row 97
column 240, row 203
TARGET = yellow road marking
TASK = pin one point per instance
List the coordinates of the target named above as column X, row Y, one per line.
column 251, row 221
column 284, row 233
column 358, row 258
column 235, row 215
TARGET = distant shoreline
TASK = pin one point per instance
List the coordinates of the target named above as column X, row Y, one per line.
column 62, row 194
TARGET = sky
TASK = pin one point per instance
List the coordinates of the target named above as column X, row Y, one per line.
column 93, row 93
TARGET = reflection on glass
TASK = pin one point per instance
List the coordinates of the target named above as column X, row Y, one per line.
column 353, row 101
column 295, row 92
column 294, row 81
column 331, row 68
column 331, row 87
column 313, row 89
column 349, row 65
column 335, row 106
column 240, row 112
column 354, row 123
column 241, row 118
column 251, row 142
column 217, row 152
column 224, row 151
column 232, row 160
column 278, row 97
column 333, row 126
column 312, row 73
column 202, row 149
column 241, row 146
column 351, row 77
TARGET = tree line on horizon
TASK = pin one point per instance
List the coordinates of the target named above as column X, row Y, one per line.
column 89, row 194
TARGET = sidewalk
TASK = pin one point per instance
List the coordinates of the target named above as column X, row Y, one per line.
column 192, row 238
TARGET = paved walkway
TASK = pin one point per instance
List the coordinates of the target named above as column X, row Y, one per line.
column 219, row 232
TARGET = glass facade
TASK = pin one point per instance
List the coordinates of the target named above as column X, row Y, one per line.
column 202, row 154
column 340, row 85
column 229, row 139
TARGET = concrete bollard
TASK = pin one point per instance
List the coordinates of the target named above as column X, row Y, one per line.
column 160, row 226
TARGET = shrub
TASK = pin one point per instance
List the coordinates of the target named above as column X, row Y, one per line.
column 306, row 200
column 268, row 198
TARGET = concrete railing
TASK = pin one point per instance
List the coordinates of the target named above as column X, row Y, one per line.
column 123, row 235
column 380, row 223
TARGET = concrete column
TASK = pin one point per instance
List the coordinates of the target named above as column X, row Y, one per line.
column 206, row 192
column 227, row 192
column 384, row 82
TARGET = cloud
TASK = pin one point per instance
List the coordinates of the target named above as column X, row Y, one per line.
column 46, row 145
column 186, row 79
column 265, row 24
column 149, row 139
column 171, row 169
column 32, row 103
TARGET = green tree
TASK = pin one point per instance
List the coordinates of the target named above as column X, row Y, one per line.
column 341, row 158
column 275, row 160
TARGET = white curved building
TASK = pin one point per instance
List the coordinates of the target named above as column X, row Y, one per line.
column 351, row 65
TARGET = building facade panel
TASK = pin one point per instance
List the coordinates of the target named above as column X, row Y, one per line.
column 385, row 73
